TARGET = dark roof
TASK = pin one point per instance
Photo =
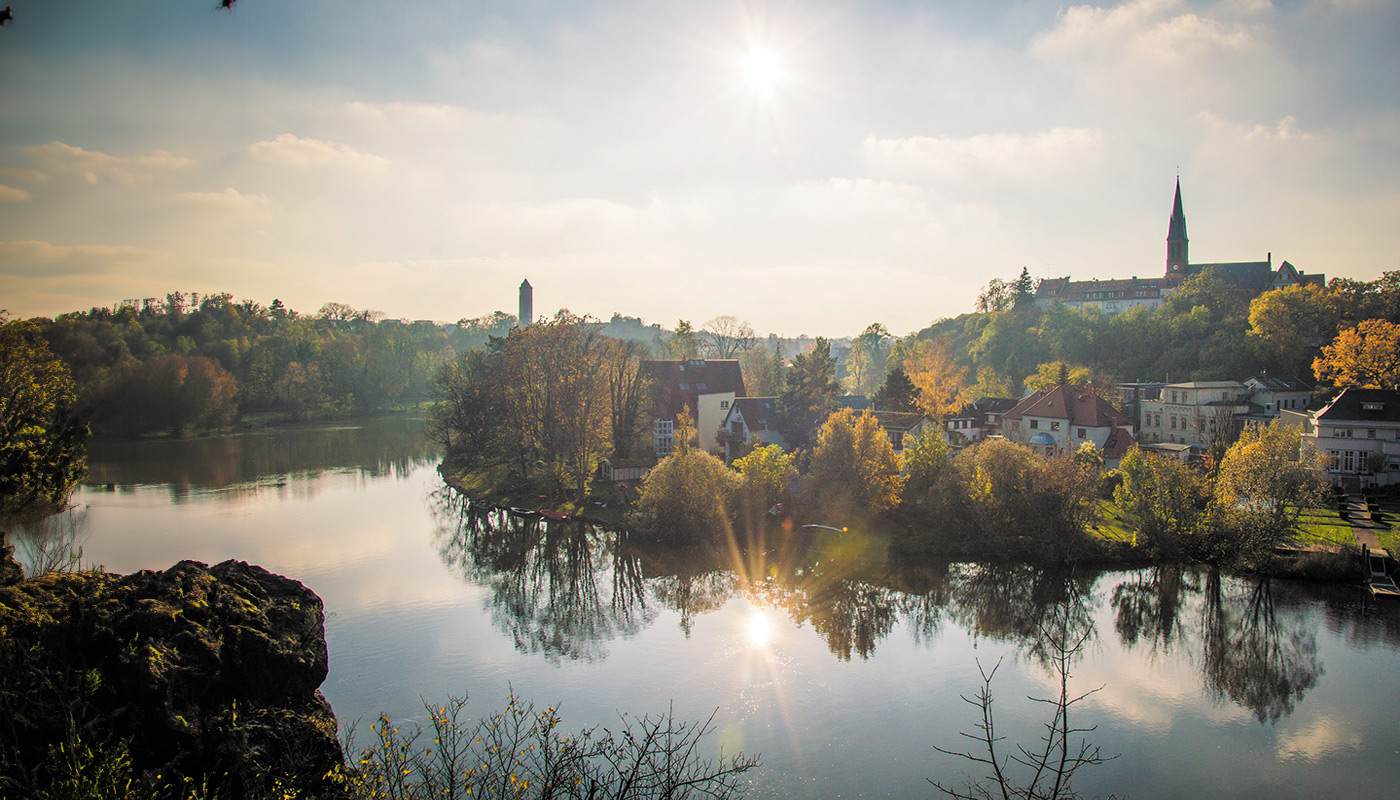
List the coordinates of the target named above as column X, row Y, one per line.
column 759, row 413
column 996, row 405
column 1118, row 443
column 1352, row 406
column 676, row 384
column 1292, row 383
column 1176, row 229
column 856, row 402
column 1253, row 275
column 1069, row 291
column 1070, row 402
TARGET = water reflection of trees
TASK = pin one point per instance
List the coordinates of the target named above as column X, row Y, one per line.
column 377, row 448
column 566, row 590
column 1259, row 658
column 1250, row 649
column 563, row 590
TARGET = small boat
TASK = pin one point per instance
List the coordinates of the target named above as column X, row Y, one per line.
column 484, row 507
column 551, row 514
column 1379, row 580
column 523, row 513
column 824, row 527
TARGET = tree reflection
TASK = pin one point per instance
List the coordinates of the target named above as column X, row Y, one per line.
column 1253, row 655
column 563, row 590
column 1148, row 607
column 1019, row 602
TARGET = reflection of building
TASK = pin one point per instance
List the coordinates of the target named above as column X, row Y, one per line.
column 1359, row 432
column 1059, row 420
column 1112, row 296
column 708, row 387
column 527, row 303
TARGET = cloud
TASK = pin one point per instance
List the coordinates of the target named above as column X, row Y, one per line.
column 1285, row 130
column 58, row 158
column 37, row 252
column 295, row 151
column 1143, row 29
column 9, row 194
column 437, row 114
column 998, row 152
column 1321, row 739
column 229, row 199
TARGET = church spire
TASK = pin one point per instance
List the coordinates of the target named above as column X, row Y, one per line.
column 1178, row 260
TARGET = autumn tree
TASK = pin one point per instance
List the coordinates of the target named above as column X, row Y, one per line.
column 1365, row 356
column 1265, row 483
column 764, row 477
column 854, row 466
column 629, row 388
column 941, row 380
column 1164, row 497
column 1058, row 373
column 926, row 458
column 1289, row 325
column 688, row 494
column 42, row 435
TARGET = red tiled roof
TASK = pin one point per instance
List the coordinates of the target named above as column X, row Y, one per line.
column 1118, row 443
column 1070, row 402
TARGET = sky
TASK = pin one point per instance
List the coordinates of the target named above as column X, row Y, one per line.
column 809, row 166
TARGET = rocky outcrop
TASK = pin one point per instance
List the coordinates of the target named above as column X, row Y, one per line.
column 204, row 672
column 10, row 570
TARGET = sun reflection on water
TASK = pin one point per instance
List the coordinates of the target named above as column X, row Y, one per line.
column 760, row 629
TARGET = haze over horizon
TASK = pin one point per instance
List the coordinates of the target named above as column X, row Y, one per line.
column 808, row 166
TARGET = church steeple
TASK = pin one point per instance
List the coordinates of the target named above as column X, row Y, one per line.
column 1178, row 258
column 527, row 303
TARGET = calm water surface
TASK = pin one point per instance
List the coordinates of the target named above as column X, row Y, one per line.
column 841, row 665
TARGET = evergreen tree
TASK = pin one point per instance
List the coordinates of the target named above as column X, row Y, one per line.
column 809, row 394
column 1023, row 289
column 898, row 393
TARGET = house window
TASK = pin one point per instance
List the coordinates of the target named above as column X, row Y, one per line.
column 1081, row 433
column 1054, row 426
column 665, row 440
column 1371, row 433
column 1342, row 433
column 700, row 386
column 724, row 404
column 1035, row 424
column 1173, row 395
column 1015, row 424
column 1173, row 423
column 897, row 440
column 1348, row 461
column 685, row 387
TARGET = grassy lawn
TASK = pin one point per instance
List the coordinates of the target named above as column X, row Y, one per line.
column 1323, row 526
column 1113, row 525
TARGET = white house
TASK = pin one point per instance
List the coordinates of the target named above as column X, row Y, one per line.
column 1359, row 432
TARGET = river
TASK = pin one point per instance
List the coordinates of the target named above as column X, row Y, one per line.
column 842, row 665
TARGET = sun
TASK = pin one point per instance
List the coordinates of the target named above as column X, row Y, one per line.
column 762, row 70
column 759, row 629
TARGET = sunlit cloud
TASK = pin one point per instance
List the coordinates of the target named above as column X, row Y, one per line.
column 295, row 151
column 9, row 194
column 1151, row 29
column 435, row 114
column 58, row 158
column 229, row 199
column 1057, row 148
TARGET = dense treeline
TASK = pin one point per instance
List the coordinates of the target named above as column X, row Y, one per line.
column 1209, row 329
column 190, row 363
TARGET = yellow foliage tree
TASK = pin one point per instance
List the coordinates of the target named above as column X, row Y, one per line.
column 941, row 381
column 1366, row 356
column 854, row 466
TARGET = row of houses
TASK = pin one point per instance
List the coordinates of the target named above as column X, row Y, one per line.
column 1358, row 429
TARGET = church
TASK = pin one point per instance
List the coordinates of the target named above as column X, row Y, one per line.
column 1112, row 296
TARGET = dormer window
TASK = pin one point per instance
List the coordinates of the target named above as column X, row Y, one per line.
column 685, row 387
column 700, row 386
column 1372, row 406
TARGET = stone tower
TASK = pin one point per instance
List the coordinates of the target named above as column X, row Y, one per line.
column 1178, row 255
column 527, row 303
